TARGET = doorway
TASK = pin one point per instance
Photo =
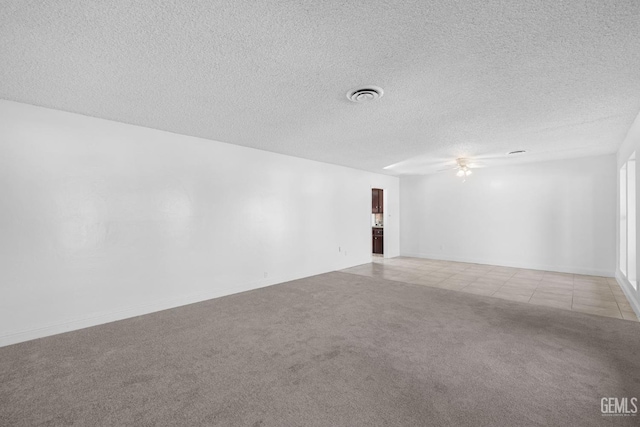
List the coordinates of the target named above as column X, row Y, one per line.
column 377, row 222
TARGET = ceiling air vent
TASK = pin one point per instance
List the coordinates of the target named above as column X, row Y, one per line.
column 365, row 94
column 516, row 152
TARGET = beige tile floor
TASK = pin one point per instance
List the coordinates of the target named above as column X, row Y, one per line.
column 587, row 294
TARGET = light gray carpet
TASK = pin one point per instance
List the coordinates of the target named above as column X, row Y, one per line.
column 330, row 350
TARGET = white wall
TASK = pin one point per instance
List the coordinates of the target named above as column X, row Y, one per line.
column 101, row 220
column 628, row 146
column 557, row 216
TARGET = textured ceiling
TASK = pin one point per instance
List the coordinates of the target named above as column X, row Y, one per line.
column 461, row 78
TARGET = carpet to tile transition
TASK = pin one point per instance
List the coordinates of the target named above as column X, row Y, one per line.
column 331, row 350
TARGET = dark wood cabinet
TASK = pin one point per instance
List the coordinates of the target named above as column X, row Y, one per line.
column 378, row 244
column 376, row 200
column 377, row 240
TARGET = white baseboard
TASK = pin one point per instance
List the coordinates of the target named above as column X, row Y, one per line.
column 120, row 314
column 559, row 269
column 151, row 307
column 629, row 292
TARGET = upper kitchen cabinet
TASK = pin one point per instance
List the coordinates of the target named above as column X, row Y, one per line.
column 376, row 200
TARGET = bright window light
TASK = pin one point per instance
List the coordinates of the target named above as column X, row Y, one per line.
column 628, row 247
column 631, row 222
column 623, row 219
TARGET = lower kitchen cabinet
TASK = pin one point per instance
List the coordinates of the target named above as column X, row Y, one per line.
column 378, row 241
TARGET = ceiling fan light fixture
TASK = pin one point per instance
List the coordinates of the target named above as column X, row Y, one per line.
column 460, row 173
column 467, row 172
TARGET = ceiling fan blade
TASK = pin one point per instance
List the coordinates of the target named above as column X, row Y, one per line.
column 474, row 165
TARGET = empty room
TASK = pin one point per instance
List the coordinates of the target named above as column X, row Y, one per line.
column 319, row 213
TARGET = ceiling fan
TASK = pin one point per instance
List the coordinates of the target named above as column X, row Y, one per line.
column 463, row 165
column 428, row 163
